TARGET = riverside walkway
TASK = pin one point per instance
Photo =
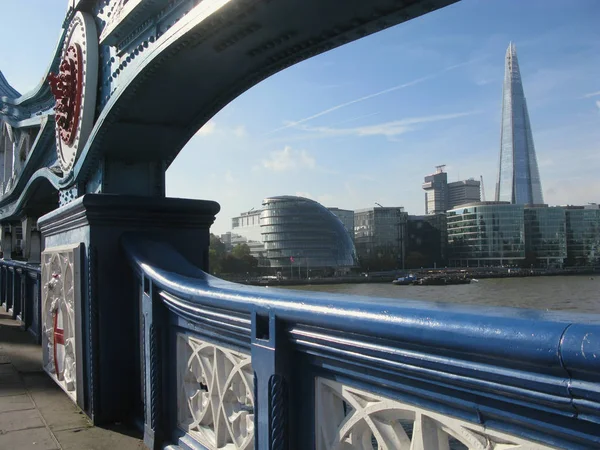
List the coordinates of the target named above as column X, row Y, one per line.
column 35, row 413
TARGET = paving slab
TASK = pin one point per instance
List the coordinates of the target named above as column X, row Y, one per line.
column 55, row 406
column 6, row 367
column 97, row 439
column 30, row 439
column 10, row 382
column 16, row 403
column 20, row 420
column 35, row 413
column 9, row 390
column 8, row 375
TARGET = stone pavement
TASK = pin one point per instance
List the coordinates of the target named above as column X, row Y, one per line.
column 35, row 413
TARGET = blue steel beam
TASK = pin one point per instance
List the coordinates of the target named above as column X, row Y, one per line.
column 209, row 55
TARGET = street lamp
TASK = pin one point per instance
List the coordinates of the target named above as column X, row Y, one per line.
column 378, row 205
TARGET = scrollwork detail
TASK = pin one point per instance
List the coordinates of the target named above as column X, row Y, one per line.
column 215, row 400
column 350, row 418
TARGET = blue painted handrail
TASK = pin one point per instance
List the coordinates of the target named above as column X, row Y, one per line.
column 527, row 373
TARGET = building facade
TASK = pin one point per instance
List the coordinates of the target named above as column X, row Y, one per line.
column 583, row 235
column 347, row 218
column 436, row 191
column 501, row 234
column 545, row 236
column 247, row 224
column 486, row 234
column 463, row 192
column 425, row 241
column 518, row 175
column 379, row 237
column 299, row 233
column 441, row 196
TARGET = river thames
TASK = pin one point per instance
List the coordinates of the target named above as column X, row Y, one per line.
column 579, row 294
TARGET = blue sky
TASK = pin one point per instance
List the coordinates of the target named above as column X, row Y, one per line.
column 366, row 122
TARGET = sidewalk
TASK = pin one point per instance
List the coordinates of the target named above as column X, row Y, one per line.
column 35, row 413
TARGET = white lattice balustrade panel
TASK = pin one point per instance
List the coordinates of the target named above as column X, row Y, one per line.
column 349, row 418
column 60, row 294
column 215, row 399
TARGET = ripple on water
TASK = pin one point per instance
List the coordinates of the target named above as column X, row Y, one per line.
column 558, row 293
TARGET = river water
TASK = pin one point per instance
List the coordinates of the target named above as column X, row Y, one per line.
column 579, row 294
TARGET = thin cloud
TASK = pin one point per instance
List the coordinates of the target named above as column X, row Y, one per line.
column 591, row 94
column 387, row 129
column 289, row 159
column 240, row 131
column 352, row 119
column 370, row 96
column 208, row 128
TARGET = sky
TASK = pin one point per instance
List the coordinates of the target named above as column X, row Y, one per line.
column 365, row 122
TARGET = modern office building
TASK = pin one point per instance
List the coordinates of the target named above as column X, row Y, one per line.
column 486, row 234
column 425, row 240
column 545, row 236
column 583, row 235
column 378, row 236
column 500, row 233
column 299, row 233
column 436, row 191
column 518, row 175
column 441, row 196
column 347, row 218
column 463, row 192
column 247, row 224
column 245, row 229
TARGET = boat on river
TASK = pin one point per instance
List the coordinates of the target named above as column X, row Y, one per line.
column 406, row 281
column 444, row 280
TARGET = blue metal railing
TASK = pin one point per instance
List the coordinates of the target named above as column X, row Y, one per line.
column 525, row 373
column 20, row 293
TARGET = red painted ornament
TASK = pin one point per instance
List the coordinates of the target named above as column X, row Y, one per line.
column 67, row 89
column 59, row 339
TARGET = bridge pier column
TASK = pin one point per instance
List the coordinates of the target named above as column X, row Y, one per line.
column 15, row 247
column 108, row 333
column 35, row 247
column 28, row 230
column 7, row 241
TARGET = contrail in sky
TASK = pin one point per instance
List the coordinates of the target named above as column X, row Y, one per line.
column 368, row 97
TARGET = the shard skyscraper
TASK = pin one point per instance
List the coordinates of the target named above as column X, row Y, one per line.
column 518, row 174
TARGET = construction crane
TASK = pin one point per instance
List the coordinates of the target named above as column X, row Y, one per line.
column 482, row 189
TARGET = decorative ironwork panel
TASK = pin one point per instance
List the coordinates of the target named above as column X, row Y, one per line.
column 350, row 418
column 61, row 290
column 215, row 400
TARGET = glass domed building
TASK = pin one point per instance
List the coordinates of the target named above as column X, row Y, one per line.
column 299, row 232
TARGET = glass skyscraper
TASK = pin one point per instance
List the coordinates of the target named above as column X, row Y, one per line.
column 518, row 174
